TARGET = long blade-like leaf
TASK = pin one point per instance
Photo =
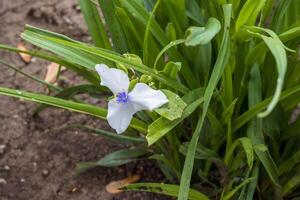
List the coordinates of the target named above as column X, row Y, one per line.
column 215, row 77
column 70, row 105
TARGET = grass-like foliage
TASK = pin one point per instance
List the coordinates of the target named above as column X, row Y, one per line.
column 230, row 70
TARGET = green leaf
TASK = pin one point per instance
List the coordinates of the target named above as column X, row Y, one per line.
column 88, row 75
column 173, row 110
column 116, row 137
column 148, row 37
column 277, row 21
column 249, row 13
column 248, row 148
column 179, row 9
column 227, row 114
column 230, row 194
column 291, row 184
column 141, row 14
column 89, row 56
column 94, row 23
column 279, row 54
column 218, row 69
column 289, row 164
column 255, row 128
column 130, row 31
column 166, row 189
column 162, row 126
column 255, row 109
column 113, row 25
column 194, row 11
column 166, row 162
column 166, row 48
column 70, row 92
column 248, row 190
column 202, row 35
column 262, row 48
column 202, row 153
column 172, row 69
column 169, row 11
column 277, row 49
column 70, row 105
column 50, row 86
column 114, row 159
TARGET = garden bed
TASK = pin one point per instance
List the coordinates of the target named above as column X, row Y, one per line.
column 38, row 154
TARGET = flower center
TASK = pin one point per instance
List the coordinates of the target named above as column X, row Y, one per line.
column 122, row 97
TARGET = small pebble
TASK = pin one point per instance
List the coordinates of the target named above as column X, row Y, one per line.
column 34, row 164
column 22, row 180
column 6, row 168
column 2, row 148
column 3, row 181
column 45, row 172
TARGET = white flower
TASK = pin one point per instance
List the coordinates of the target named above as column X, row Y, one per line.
column 125, row 104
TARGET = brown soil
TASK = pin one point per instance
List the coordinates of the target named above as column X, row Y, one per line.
column 37, row 158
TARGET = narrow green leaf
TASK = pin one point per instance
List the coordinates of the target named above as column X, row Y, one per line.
column 147, row 36
column 194, row 11
column 172, row 69
column 89, row 56
column 230, row 194
column 218, row 69
column 166, row 48
column 277, row 49
column 248, row 190
column 113, row 25
column 166, row 189
column 277, row 21
column 291, row 184
column 167, row 162
column 70, row 105
column 114, row 159
column 94, row 23
column 255, row 128
column 202, row 153
column 70, row 92
column 141, row 14
column 249, row 13
column 116, row 137
column 289, row 164
column 255, row 109
column 89, row 76
column 53, row 87
column 179, row 7
column 248, row 148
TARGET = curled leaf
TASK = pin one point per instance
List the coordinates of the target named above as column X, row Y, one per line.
column 174, row 109
column 52, row 72
column 202, row 35
column 114, row 186
column 25, row 57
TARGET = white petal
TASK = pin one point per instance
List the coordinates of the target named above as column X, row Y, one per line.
column 119, row 115
column 116, row 80
column 143, row 97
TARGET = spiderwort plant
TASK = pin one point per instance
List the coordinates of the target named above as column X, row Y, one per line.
column 226, row 79
column 125, row 103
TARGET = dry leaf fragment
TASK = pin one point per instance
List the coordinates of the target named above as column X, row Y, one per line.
column 25, row 57
column 52, row 72
column 113, row 187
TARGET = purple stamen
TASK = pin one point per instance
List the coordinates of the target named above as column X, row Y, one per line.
column 122, row 97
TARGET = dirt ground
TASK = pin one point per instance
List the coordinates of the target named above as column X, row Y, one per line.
column 37, row 159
